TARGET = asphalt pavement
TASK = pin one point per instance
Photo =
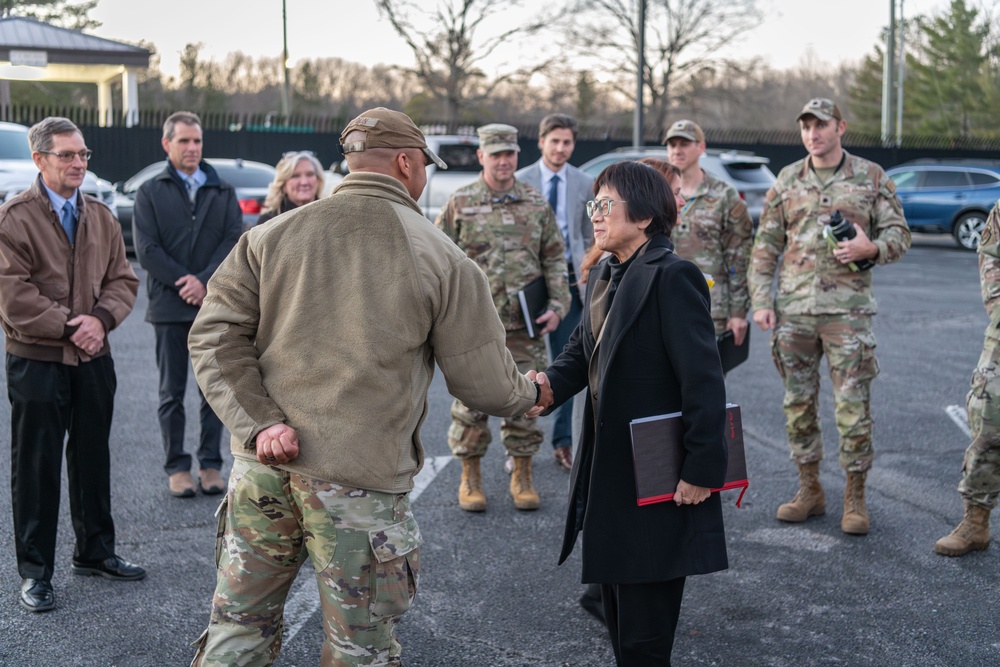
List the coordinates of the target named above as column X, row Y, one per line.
column 490, row 591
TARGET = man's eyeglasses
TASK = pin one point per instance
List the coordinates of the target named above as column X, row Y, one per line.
column 602, row 205
column 67, row 156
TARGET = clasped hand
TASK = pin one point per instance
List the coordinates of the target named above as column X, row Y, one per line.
column 546, row 397
column 277, row 444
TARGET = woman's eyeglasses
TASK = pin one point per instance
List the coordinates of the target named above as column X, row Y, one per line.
column 602, row 205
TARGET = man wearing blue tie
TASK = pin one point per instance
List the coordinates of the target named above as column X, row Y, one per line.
column 185, row 223
column 567, row 189
column 64, row 284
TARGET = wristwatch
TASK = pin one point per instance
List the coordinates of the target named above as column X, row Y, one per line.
column 538, row 392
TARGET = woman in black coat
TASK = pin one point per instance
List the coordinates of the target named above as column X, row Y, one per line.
column 298, row 180
column 645, row 346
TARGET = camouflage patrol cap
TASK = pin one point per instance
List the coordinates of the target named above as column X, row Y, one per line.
column 385, row 128
column 497, row 138
column 685, row 129
column 822, row 108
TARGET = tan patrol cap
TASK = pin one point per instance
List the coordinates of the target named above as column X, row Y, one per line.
column 385, row 128
column 685, row 129
column 497, row 138
column 822, row 108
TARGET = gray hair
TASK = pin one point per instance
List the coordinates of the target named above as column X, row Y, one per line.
column 283, row 172
column 186, row 117
column 40, row 135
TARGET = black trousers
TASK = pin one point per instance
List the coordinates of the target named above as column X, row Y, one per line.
column 47, row 400
column 641, row 620
column 173, row 361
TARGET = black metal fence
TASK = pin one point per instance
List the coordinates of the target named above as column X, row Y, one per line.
column 120, row 151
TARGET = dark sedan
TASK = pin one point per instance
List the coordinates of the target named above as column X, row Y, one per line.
column 948, row 196
column 249, row 178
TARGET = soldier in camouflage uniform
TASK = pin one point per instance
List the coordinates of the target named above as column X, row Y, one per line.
column 324, row 391
column 980, row 485
column 509, row 229
column 714, row 229
column 822, row 306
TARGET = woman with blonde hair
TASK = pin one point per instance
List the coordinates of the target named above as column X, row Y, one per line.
column 298, row 180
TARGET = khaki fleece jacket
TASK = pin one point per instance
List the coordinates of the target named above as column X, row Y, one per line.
column 45, row 281
column 330, row 320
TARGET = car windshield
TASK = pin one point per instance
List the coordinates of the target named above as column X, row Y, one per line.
column 749, row 172
column 245, row 175
column 460, row 157
column 14, row 146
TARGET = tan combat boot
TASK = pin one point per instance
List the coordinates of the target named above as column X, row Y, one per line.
column 809, row 501
column 972, row 534
column 855, row 519
column 521, row 487
column 470, row 491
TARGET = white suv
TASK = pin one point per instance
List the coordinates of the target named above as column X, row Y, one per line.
column 18, row 170
column 745, row 171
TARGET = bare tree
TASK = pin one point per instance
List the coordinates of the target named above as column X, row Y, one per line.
column 449, row 46
column 683, row 37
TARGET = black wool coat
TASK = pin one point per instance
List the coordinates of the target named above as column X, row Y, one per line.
column 174, row 238
column 657, row 354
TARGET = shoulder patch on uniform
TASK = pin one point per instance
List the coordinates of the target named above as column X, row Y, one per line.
column 738, row 209
column 890, row 185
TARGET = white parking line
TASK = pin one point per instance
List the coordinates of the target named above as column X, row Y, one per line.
column 303, row 600
column 957, row 414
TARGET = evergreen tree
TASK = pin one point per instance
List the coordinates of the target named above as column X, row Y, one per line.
column 949, row 84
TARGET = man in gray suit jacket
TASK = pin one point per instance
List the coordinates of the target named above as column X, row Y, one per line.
column 568, row 189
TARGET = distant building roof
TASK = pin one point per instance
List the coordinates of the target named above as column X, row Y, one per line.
column 65, row 46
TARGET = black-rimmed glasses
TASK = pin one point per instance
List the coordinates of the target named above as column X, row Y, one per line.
column 603, row 206
column 67, row 156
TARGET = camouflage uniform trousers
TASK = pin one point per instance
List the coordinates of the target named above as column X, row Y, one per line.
column 469, row 433
column 798, row 344
column 362, row 544
column 980, row 483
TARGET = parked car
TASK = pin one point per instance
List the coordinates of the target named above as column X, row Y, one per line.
column 249, row 178
column 745, row 171
column 18, row 170
column 948, row 196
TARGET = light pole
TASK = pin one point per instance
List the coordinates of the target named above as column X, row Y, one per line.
column 285, row 101
column 637, row 125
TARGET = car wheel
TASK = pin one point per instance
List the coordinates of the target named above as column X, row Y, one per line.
column 968, row 229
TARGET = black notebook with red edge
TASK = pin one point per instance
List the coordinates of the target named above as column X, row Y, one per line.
column 658, row 456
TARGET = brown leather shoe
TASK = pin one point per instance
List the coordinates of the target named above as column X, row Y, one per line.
column 182, row 485
column 564, row 457
column 211, row 482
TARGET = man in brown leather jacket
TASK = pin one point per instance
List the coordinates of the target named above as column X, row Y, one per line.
column 64, row 284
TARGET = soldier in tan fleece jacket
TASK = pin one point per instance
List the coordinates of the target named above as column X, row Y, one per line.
column 316, row 345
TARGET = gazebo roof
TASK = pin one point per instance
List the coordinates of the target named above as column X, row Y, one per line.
column 66, row 47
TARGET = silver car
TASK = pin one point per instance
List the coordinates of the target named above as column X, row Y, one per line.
column 745, row 171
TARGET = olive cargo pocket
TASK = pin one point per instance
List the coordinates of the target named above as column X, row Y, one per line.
column 396, row 567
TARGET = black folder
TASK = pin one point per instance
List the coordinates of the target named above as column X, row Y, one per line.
column 658, row 455
column 731, row 354
column 534, row 300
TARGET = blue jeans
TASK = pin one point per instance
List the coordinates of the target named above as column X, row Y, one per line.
column 562, row 431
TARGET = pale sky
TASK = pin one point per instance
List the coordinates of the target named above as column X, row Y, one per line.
column 831, row 32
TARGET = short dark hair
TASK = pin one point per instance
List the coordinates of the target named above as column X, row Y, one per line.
column 186, row 117
column 645, row 192
column 557, row 121
column 41, row 133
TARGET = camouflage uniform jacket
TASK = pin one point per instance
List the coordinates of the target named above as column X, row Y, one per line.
column 798, row 205
column 714, row 230
column 989, row 270
column 513, row 241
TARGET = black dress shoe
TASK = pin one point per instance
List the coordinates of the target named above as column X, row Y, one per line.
column 110, row 568
column 37, row 595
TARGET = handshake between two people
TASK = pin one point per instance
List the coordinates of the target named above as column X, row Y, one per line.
column 279, row 443
column 545, row 396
